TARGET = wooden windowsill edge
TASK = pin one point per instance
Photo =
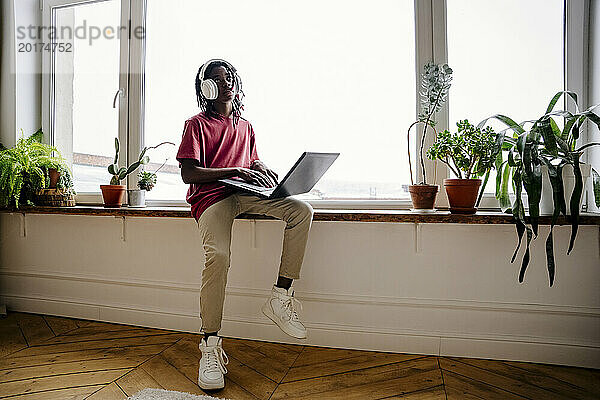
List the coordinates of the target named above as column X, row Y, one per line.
column 398, row 216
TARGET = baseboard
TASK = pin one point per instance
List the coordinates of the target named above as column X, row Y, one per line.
column 547, row 353
column 177, row 320
column 358, row 299
column 506, row 347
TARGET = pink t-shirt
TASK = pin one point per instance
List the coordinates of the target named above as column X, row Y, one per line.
column 215, row 142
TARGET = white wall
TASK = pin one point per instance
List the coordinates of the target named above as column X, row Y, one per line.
column 29, row 67
column 8, row 111
column 363, row 285
column 21, row 92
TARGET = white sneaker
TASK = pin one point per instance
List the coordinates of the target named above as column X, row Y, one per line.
column 212, row 364
column 281, row 309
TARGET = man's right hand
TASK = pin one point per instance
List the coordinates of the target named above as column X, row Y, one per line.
column 255, row 177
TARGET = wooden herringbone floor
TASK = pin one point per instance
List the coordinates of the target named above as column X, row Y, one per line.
column 43, row 357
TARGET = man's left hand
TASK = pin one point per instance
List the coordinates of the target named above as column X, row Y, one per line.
column 269, row 173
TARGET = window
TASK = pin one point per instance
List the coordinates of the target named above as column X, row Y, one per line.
column 507, row 57
column 340, row 79
column 85, row 76
column 330, row 80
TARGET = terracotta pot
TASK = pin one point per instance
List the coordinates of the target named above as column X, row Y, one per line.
column 113, row 195
column 462, row 195
column 423, row 196
column 54, row 175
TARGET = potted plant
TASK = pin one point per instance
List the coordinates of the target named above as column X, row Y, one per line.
column 58, row 173
column 469, row 154
column 146, row 181
column 530, row 147
column 114, row 193
column 60, row 190
column 435, row 84
column 24, row 172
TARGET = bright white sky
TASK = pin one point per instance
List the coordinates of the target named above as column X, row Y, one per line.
column 96, row 79
column 506, row 56
column 507, row 59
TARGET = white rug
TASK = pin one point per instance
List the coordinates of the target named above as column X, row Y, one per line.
column 160, row 394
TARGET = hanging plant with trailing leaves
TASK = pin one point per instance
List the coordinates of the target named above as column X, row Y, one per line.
column 528, row 146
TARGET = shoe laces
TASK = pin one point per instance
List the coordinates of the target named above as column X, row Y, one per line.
column 289, row 305
column 216, row 359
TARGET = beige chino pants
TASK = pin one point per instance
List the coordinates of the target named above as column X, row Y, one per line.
column 215, row 230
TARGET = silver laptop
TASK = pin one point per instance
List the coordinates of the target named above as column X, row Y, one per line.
column 303, row 176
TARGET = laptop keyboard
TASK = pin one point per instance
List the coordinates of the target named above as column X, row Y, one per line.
column 254, row 187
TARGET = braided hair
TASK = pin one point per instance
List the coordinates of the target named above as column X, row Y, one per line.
column 208, row 105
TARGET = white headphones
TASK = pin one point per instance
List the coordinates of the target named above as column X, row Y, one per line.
column 209, row 87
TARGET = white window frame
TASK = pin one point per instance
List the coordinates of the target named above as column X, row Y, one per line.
column 48, row 8
column 576, row 66
column 430, row 45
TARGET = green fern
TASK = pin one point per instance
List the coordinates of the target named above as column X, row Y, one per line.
column 24, row 170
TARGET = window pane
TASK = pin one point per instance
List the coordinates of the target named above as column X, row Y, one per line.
column 85, row 80
column 340, row 79
column 507, row 58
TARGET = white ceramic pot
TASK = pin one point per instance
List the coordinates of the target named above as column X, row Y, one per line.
column 546, row 202
column 136, row 197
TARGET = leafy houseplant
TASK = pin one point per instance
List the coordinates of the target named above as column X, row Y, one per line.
column 435, row 84
column 146, row 182
column 59, row 173
column 529, row 146
column 113, row 193
column 24, row 171
column 470, row 154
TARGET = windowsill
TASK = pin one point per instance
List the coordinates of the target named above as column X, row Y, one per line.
column 398, row 216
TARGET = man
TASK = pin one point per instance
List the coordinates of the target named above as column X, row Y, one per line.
column 218, row 143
